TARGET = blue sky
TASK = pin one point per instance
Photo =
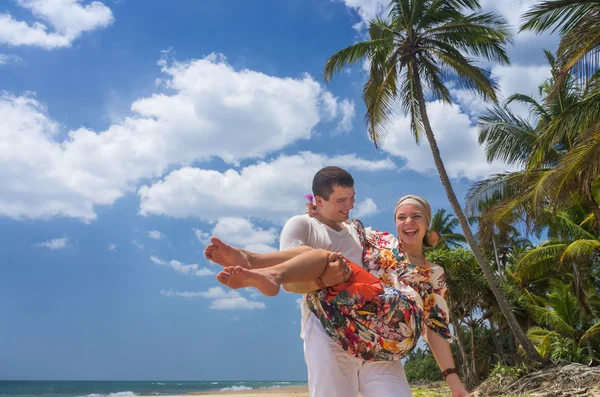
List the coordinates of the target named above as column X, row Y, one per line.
column 133, row 130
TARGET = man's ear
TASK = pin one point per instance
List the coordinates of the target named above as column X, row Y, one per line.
column 319, row 201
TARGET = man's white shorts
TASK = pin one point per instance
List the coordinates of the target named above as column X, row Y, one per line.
column 334, row 373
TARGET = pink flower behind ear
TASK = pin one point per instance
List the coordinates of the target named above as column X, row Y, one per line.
column 309, row 197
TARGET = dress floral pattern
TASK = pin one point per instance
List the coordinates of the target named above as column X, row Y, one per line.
column 380, row 313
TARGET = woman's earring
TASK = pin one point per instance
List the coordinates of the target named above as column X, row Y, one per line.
column 432, row 237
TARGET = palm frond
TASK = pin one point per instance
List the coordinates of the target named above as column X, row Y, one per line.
column 564, row 15
column 507, row 137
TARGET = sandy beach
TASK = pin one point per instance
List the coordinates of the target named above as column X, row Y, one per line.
column 435, row 389
column 290, row 391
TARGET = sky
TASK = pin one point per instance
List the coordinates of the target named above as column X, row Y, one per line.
column 133, row 130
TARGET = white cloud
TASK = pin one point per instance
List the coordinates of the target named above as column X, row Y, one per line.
column 7, row 58
column 136, row 244
column 183, row 268
column 235, row 318
column 365, row 208
column 55, row 244
column 240, row 231
column 68, row 18
column 270, row 190
column 155, row 235
column 207, row 99
column 347, row 115
column 111, row 247
column 366, row 10
column 222, row 300
column 343, row 109
column 201, row 236
column 520, row 79
column 456, row 138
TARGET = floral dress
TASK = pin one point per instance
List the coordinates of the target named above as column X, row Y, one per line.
column 386, row 305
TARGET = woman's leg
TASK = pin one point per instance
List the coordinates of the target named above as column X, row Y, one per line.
column 306, row 266
column 228, row 255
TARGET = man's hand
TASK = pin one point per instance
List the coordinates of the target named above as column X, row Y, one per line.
column 311, row 210
column 336, row 272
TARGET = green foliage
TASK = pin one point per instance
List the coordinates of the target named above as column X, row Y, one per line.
column 511, row 372
column 421, row 365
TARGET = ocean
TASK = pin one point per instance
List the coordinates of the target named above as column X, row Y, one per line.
column 125, row 388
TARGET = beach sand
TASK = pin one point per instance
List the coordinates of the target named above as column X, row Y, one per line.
column 437, row 389
column 290, row 391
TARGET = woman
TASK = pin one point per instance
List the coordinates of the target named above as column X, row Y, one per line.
column 380, row 311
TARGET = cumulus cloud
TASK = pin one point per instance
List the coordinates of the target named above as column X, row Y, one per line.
column 69, row 19
column 221, row 299
column 7, row 58
column 365, row 208
column 366, row 10
column 240, row 231
column 203, row 101
column 183, row 268
column 155, row 235
column 136, row 244
column 201, row 236
column 111, row 247
column 270, row 190
column 456, row 138
column 54, row 244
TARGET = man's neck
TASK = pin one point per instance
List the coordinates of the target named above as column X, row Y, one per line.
column 337, row 226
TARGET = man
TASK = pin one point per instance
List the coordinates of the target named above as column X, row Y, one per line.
column 332, row 372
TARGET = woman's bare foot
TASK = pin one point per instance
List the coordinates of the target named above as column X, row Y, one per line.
column 238, row 277
column 225, row 255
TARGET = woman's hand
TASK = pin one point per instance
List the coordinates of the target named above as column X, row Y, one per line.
column 456, row 386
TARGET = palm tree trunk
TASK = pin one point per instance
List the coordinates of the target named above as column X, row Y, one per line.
column 500, row 269
column 498, row 342
column 531, row 352
column 469, row 378
column 473, row 348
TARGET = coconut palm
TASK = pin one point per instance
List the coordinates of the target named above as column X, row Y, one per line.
column 578, row 22
column 417, row 49
column 557, row 154
column 565, row 329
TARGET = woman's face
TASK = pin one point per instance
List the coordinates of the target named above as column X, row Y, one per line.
column 411, row 225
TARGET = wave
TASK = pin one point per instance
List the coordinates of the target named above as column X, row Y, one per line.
column 119, row 394
column 236, row 388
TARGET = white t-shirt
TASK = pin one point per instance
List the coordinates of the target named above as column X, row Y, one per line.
column 305, row 230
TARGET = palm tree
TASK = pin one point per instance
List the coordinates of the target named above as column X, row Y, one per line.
column 444, row 224
column 558, row 154
column 578, row 22
column 416, row 49
column 565, row 329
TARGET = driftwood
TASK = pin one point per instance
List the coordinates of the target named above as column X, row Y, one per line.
column 570, row 380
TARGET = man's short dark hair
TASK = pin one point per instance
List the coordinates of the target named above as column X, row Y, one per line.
column 329, row 177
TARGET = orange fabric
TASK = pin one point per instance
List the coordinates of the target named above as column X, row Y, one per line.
column 361, row 281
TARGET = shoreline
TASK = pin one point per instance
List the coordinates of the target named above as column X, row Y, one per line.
column 283, row 391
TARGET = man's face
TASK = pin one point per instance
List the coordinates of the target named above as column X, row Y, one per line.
column 337, row 208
